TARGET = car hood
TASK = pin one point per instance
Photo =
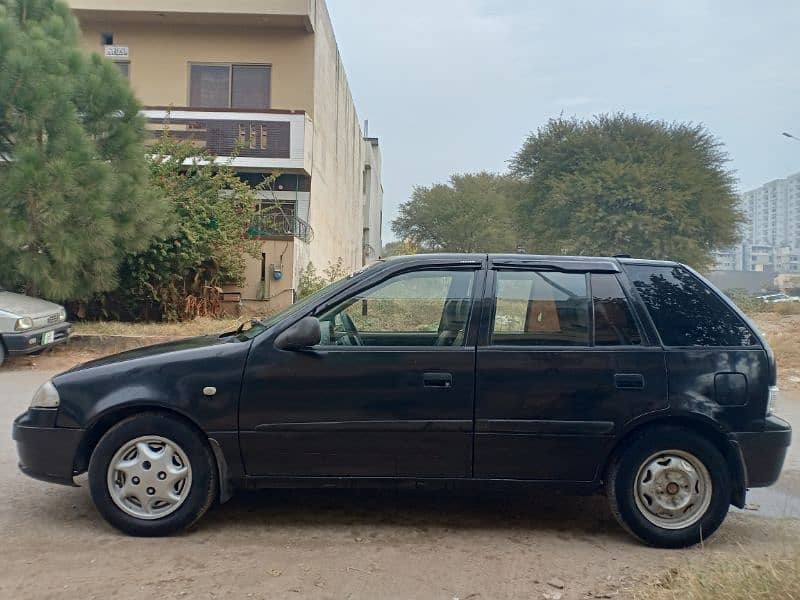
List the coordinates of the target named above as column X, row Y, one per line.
column 157, row 350
column 26, row 306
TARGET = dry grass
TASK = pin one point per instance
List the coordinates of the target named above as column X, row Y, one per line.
column 729, row 578
column 783, row 335
column 199, row 326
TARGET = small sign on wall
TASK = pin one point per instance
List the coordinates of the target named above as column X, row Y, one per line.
column 116, row 52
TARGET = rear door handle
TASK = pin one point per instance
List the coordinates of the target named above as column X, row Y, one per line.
column 437, row 380
column 629, row 381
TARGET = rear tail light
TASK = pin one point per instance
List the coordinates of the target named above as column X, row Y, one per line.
column 772, row 400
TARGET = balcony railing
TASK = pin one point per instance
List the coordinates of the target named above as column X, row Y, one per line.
column 264, row 139
column 266, row 224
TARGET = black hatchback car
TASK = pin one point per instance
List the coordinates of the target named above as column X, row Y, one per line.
column 635, row 376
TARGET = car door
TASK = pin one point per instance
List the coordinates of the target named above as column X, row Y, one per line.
column 563, row 363
column 388, row 392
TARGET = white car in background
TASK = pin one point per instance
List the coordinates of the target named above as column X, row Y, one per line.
column 773, row 298
column 29, row 325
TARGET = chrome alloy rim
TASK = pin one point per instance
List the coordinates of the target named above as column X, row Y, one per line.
column 673, row 489
column 149, row 477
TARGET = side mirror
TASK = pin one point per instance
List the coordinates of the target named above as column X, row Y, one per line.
column 303, row 334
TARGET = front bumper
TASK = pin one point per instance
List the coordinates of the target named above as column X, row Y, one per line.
column 45, row 451
column 763, row 452
column 27, row 342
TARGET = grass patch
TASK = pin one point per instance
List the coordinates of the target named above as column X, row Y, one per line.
column 729, row 578
column 200, row 326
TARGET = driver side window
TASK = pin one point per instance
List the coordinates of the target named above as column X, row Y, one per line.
column 420, row 308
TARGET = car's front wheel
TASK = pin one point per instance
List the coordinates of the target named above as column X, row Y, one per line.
column 151, row 475
column 670, row 487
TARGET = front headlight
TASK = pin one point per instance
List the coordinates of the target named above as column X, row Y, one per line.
column 772, row 401
column 46, row 396
column 62, row 314
column 23, row 324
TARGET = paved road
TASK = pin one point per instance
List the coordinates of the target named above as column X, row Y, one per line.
column 344, row 544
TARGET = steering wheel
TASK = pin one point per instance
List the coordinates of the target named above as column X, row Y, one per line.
column 350, row 329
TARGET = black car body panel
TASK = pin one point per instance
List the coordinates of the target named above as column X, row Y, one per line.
column 143, row 377
column 373, row 414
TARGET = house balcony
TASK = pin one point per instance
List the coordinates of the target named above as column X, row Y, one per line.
column 269, row 224
column 247, row 140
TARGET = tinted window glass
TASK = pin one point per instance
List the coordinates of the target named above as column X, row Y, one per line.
column 421, row 308
column 209, row 86
column 685, row 311
column 541, row 309
column 250, row 86
column 614, row 324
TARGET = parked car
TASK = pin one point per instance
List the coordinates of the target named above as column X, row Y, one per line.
column 772, row 298
column 29, row 325
column 633, row 376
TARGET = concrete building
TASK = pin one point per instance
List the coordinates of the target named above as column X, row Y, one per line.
column 264, row 76
column 771, row 234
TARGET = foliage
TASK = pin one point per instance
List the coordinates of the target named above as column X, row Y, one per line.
column 74, row 194
column 311, row 281
column 625, row 184
column 400, row 248
column 210, row 209
column 471, row 213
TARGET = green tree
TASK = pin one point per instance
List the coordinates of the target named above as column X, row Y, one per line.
column 471, row 213
column 400, row 247
column 74, row 194
column 210, row 211
column 625, row 184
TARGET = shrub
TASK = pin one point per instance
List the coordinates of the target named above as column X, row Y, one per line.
column 311, row 282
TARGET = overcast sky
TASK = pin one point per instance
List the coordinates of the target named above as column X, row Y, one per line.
column 456, row 85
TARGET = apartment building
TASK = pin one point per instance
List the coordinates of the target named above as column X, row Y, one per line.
column 262, row 80
column 771, row 233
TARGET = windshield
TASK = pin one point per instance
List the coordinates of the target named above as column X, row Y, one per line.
column 260, row 325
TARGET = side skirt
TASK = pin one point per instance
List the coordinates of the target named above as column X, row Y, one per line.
column 266, row 482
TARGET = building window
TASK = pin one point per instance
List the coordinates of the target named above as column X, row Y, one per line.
column 124, row 68
column 106, row 39
column 229, row 86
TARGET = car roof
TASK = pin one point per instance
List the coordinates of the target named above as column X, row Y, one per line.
column 501, row 258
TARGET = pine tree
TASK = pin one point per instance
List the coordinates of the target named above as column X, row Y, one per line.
column 74, row 190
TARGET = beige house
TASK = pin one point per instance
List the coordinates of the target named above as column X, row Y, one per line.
column 263, row 76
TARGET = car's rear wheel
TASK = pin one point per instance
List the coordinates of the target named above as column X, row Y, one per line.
column 670, row 487
column 151, row 474
column 2, row 353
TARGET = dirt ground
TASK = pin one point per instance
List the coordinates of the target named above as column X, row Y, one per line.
column 360, row 544
column 783, row 334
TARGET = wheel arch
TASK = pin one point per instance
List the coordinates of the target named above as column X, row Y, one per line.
column 700, row 425
column 105, row 421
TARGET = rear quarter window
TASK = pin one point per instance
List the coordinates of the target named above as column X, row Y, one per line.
column 685, row 311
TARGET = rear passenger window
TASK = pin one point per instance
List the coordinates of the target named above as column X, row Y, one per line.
column 535, row 308
column 614, row 324
column 685, row 311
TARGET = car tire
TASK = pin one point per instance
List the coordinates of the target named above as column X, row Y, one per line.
column 2, row 353
column 669, row 487
column 151, row 475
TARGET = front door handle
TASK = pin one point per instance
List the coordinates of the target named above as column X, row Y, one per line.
column 437, row 380
column 629, row 381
